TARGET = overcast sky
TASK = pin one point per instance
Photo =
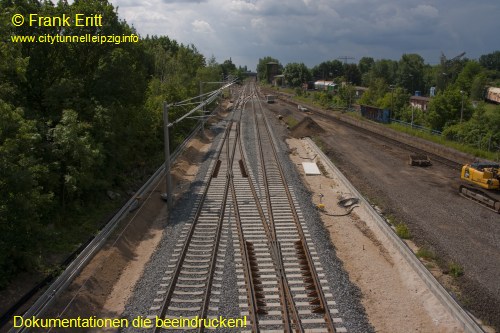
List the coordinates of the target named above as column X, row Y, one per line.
column 312, row 31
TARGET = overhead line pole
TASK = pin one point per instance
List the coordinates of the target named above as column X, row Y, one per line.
column 168, row 179
column 168, row 195
column 345, row 58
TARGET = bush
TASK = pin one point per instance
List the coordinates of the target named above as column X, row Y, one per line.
column 455, row 269
column 425, row 253
column 402, row 231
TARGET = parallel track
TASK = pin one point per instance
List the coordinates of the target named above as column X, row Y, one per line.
column 279, row 277
column 434, row 157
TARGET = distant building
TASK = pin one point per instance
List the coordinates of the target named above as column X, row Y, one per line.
column 420, row 102
column 324, row 85
column 432, row 92
column 493, row 94
column 279, row 80
column 272, row 71
column 359, row 91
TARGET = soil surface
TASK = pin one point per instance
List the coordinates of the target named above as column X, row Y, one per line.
column 305, row 127
column 457, row 230
column 394, row 296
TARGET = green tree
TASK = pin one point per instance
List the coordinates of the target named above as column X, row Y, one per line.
column 262, row 67
column 383, row 69
column 481, row 131
column 23, row 201
column 296, row 74
column 365, row 64
column 491, row 61
column 375, row 93
column 79, row 118
column 410, row 72
column 77, row 155
column 352, row 74
column 228, row 67
column 445, row 109
column 397, row 101
column 328, row 70
column 467, row 75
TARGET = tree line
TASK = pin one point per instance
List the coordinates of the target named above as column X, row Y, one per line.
column 457, row 109
column 77, row 119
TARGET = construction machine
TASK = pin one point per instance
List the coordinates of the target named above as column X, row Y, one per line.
column 479, row 176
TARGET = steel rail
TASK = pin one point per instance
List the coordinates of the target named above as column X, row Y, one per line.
column 185, row 248
column 251, row 291
column 220, row 222
column 285, row 293
column 302, row 246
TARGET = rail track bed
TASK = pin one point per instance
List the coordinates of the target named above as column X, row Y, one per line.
column 427, row 200
column 280, row 281
column 408, row 147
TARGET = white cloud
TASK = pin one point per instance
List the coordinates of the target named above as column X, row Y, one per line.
column 426, row 11
column 202, row 26
column 242, row 6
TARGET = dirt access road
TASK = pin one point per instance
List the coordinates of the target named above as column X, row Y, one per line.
column 455, row 229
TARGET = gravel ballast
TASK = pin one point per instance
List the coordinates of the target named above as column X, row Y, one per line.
column 347, row 296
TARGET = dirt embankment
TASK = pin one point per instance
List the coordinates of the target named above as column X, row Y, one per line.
column 306, row 127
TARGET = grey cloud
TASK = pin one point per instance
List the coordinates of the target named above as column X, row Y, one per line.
column 183, row 1
column 311, row 31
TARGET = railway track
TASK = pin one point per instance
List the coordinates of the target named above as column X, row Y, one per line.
column 411, row 149
column 281, row 284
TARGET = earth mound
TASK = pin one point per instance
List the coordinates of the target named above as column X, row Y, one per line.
column 306, row 127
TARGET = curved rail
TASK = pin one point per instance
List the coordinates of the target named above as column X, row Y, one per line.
column 173, row 285
column 285, row 293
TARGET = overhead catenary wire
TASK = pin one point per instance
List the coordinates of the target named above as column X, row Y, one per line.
column 212, row 96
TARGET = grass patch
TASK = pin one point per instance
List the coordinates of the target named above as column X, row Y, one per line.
column 442, row 141
column 455, row 269
column 291, row 121
column 309, row 98
column 402, row 231
column 391, row 219
column 430, row 265
column 425, row 253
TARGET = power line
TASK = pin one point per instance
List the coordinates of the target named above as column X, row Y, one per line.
column 345, row 58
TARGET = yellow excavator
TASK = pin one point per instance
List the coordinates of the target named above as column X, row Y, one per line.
column 483, row 176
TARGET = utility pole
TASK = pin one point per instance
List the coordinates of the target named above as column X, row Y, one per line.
column 168, row 180
column 392, row 99
column 345, row 58
column 168, row 195
column 202, row 112
column 462, row 109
